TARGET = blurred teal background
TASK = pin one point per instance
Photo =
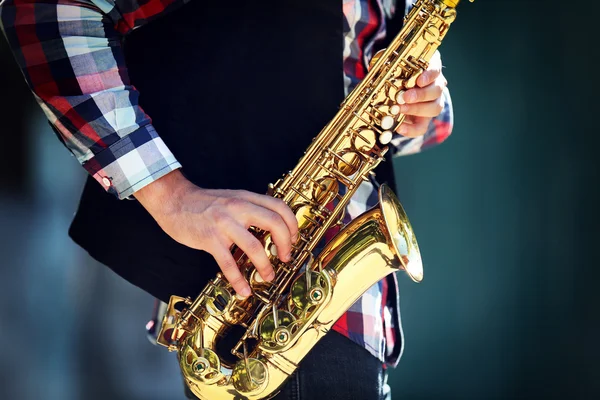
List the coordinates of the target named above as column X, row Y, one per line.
column 505, row 212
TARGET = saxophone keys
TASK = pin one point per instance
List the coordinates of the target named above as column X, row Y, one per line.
column 239, row 297
column 273, row 249
column 395, row 109
column 258, row 278
column 273, row 325
column 431, row 34
column 217, row 301
column 348, row 162
column 398, row 84
column 304, row 217
column 449, row 14
column 364, row 140
column 205, row 367
column 387, row 122
column 412, row 81
column 385, row 137
column 394, row 87
column 400, row 97
column 392, row 91
column 250, row 376
column 325, row 190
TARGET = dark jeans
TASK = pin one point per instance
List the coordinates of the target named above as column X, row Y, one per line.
column 335, row 369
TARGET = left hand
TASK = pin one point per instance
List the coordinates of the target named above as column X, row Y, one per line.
column 425, row 101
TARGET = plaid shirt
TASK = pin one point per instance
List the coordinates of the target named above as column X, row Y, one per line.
column 70, row 54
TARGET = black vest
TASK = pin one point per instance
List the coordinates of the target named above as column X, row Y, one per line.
column 237, row 90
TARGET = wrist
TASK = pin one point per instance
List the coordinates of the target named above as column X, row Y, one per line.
column 160, row 197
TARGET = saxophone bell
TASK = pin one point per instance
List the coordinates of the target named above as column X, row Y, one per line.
column 402, row 237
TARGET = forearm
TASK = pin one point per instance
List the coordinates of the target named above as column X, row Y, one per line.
column 70, row 55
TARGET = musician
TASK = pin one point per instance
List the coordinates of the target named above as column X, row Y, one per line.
column 236, row 91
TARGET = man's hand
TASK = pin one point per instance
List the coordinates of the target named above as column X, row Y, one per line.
column 425, row 101
column 213, row 220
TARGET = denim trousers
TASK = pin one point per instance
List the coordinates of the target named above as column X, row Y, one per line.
column 335, row 369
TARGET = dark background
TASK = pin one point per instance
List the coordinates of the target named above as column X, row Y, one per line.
column 505, row 212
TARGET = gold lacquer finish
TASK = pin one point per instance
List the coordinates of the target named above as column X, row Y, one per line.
column 453, row 3
column 245, row 348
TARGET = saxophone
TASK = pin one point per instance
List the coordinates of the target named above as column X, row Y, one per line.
column 231, row 347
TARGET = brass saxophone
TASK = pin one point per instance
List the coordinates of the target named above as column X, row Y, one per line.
column 231, row 347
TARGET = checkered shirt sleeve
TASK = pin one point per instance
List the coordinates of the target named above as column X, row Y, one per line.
column 70, row 54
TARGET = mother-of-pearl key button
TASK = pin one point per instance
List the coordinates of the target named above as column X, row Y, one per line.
column 385, row 137
column 106, row 181
column 240, row 297
column 395, row 109
column 273, row 249
column 400, row 98
column 387, row 122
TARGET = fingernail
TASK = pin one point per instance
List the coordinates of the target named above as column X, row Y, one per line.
column 246, row 291
column 270, row 277
column 404, row 109
column 409, row 97
column 403, row 129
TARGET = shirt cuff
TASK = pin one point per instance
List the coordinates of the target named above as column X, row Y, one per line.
column 132, row 162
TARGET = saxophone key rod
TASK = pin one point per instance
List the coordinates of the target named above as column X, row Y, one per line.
column 368, row 123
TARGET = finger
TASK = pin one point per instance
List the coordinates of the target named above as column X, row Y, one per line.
column 427, row 93
column 415, row 127
column 432, row 73
column 231, row 271
column 254, row 249
column 427, row 109
column 271, row 222
column 278, row 206
column 428, row 77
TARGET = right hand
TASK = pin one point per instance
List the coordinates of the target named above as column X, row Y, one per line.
column 213, row 220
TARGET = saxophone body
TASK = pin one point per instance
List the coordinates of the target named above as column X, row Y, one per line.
column 245, row 348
